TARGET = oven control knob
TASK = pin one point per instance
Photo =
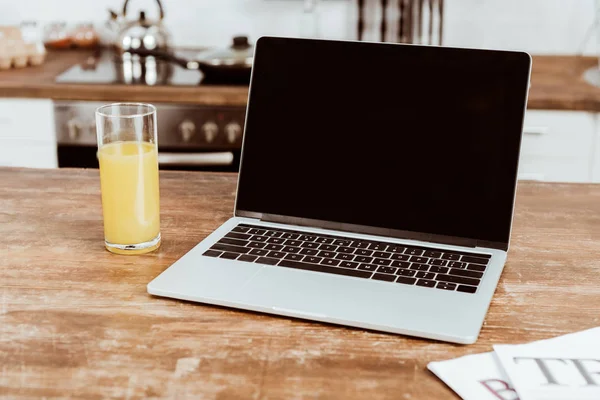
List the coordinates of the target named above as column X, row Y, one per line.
column 233, row 130
column 73, row 129
column 210, row 130
column 187, row 129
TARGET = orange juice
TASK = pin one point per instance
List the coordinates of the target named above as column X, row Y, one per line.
column 130, row 201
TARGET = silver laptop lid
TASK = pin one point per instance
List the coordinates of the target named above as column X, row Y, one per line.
column 404, row 141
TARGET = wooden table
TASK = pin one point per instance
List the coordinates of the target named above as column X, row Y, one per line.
column 76, row 320
column 556, row 84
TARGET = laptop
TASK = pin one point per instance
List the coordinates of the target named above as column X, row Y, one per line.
column 376, row 188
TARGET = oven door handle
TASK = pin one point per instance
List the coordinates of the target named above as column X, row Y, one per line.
column 219, row 159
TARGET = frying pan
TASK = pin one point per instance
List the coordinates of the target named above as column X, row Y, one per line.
column 232, row 64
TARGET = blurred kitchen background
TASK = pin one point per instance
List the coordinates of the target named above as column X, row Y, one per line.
column 536, row 26
column 61, row 59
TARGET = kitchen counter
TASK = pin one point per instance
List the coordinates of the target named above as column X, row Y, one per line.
column 75, row 320
column 556, row 84
column 39, row 82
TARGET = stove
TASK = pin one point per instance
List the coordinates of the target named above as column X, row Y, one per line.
column 191, row 137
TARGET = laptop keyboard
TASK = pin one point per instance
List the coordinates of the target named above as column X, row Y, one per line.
column 389, row 262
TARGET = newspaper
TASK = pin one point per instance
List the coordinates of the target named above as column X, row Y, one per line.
column 566, row 367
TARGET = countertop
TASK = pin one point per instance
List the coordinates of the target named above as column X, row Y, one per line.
column 39, row 82
column 76, row 320
column 556, row 83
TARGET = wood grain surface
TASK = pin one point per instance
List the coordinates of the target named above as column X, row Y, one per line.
column 76, row 321
column 556, row 83
column 39, row 82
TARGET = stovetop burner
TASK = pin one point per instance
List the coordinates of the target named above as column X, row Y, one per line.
column 108, row 68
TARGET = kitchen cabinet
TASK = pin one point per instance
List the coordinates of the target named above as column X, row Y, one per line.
column 27, row 137
column 558, row 146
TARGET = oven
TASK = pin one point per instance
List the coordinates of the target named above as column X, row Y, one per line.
column 190, row 137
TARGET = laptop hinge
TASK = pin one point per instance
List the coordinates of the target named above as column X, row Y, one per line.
column 395, row 233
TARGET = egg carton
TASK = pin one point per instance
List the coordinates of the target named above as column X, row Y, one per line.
column 14, row 52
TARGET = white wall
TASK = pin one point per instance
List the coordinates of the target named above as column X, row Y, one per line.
column 537, row 26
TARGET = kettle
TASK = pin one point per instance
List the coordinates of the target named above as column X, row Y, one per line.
column 143, row 34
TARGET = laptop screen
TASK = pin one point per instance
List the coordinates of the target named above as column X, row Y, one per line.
column 400, row 137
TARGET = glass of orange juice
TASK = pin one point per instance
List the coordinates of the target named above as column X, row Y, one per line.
column 128, row 157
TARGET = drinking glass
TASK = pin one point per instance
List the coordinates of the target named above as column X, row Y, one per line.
column 128, row 157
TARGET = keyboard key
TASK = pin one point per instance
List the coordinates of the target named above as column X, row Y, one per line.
column 235, row 242
column 476, row 260
column 291, row 242
column 406, row 272
column 395, row 248
column 384, row 277
column 419, row 267
column 247, row 258
column 240, row 229
column 465, row 272
column 275, row 240
column 439, row 270
column 230, row 248
column 382, row 254
column 348, row 264
column 310, row 245
column 234, row 235
column 387, row 270
column 426, row 283
column 342, row 242
column 405, row 280
column 425, row 275
column 256, row 231
column 311, row 259
column 330, row 261
column 267, row 260
column 230, row 256
column 291, row 249
column 362, row 259
column 377, row 246
column 466, row 289
column 347, row 250
column 422, row 260
column 432, row 254
column 359, row 244
column 324, row 268
column 309, row 252
column 276, row 254
column 307, row 238
column 324, row 240
column 413, row 252
column 457, row 264
column 275, row 247
column 328, row 254
column 346, row 257
column 476, row 267
column 381, row 261
column 401, row 257
column 437, row 261
column 367, row 267
column 401, row 264
column 256, row 245
column 450, row 256
column 258, row 238
column 212, row 253
column 259, row 252
column 457, row 279
column 288, row 235
column 327, row 247
column 295, row 257
column 446, row 286
column 363, row 252
column 272, row 234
